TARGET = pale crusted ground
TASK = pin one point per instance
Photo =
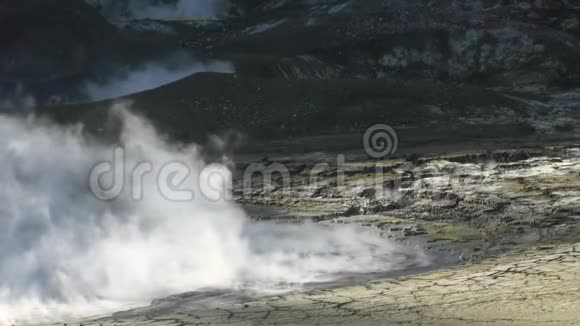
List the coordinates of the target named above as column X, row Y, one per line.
column 480, row 203
column 539, row 287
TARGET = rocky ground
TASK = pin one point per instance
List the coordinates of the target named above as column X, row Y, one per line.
column 478, row 203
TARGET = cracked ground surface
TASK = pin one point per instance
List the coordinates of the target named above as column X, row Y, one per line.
column 537, row 287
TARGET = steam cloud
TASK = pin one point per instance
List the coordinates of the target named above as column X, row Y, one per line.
column 65, row 254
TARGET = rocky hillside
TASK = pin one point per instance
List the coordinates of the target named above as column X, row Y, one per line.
column 479, row 41
column 485, row 67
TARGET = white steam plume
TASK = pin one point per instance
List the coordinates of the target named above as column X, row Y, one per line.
column 64, row 254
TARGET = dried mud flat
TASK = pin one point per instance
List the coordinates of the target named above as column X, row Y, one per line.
column 539, row 287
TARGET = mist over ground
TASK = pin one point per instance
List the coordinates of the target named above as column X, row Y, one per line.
column 137, row 78
column 66, row 254
column 124, row 79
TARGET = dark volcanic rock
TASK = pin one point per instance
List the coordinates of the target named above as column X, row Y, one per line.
column 276, row 108
column 46, row 43
column 47, row 40
column 480, row 42
column 316, row 67
column 490, row 42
